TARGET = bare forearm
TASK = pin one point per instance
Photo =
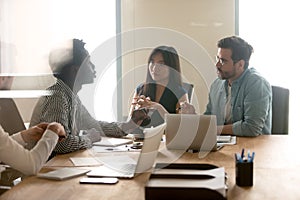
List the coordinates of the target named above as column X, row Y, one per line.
column 225, row 129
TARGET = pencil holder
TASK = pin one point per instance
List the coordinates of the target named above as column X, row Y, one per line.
column 244, row 173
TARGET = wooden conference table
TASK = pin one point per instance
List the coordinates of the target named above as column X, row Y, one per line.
column 276, row 174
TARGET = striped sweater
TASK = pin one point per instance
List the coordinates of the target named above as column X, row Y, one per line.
column 65, row 107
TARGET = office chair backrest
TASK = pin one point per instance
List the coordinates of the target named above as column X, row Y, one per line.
column 10, row 118
column 280, row 110
column 189, row 88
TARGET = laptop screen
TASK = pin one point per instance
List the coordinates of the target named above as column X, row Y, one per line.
column 122, row 167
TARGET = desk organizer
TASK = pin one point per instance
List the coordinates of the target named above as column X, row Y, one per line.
column 186, row 181
column 244, row 173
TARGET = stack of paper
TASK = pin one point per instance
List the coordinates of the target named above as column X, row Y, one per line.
column 226, row 140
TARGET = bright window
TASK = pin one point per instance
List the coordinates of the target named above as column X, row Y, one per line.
column 271, row 28
column 29, row 29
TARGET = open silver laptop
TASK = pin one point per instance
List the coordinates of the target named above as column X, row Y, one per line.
column 127, row 169
column 191, row 132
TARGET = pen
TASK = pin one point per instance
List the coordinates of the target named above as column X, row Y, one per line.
column 239, row 158
column 252, row 157
column 248, row 155
column 242, row 154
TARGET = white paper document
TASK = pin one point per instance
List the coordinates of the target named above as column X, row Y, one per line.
column 85, row 161
column 121, row 148
column 226, row 140
column 112, row 142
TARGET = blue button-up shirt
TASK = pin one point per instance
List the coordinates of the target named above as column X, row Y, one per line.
column 251, row 103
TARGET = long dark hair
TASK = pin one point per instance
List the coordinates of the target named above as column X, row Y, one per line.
column 171, row 59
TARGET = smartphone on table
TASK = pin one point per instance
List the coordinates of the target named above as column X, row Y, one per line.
column 97, row 180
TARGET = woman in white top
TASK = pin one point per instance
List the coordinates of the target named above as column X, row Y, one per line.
column 29, row 162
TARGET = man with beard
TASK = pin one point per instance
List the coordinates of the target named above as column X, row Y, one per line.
column 240, row 97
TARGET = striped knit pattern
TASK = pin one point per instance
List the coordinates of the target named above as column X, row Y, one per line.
column 65, row 107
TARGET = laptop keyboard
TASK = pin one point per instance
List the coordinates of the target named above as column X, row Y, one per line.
column 126, row 169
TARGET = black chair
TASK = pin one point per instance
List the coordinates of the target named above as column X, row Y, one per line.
column 280, row 110
column 189, row 88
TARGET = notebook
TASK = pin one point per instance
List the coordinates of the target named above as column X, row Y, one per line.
column 191, row 132
column 128, row 169
column 63, row 173
column 112, row 142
